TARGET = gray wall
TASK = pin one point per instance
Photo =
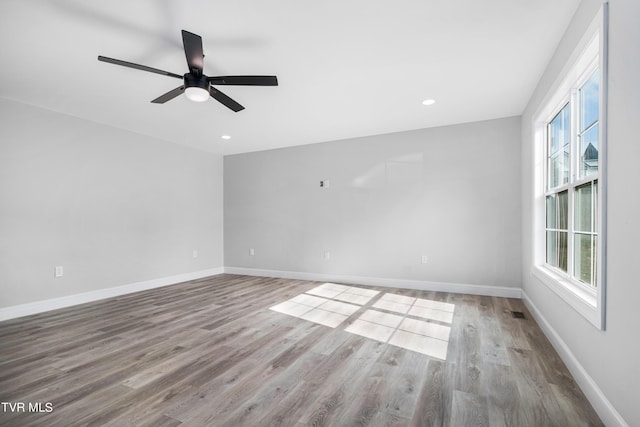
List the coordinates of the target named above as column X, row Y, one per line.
column 111, row 206
column 451, row 193
column 610, row 357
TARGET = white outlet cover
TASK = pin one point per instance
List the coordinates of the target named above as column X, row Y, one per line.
column 58, row 271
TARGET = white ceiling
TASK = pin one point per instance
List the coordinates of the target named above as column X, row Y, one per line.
column 346, row 68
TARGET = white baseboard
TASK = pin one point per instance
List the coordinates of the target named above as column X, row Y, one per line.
column 607, row 412
column 36, row 307
column 458, row 288
column 52, row 304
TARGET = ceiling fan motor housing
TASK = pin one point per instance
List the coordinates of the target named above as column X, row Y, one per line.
column 196, row 81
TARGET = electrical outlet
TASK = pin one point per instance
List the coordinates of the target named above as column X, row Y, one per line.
column 325, row 183
column 424, row 259
column 58, row 271
column 252, row 252
column 327, row 255
column 195, row 253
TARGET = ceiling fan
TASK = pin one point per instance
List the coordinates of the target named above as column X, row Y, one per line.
column 197, row 86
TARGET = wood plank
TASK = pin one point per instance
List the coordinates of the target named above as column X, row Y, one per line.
column 433, row 407
column 537, row 402
column 469, row 409
column 503, row 397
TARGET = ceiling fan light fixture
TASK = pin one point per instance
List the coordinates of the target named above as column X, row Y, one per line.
column 196, row 94
column 196, row 87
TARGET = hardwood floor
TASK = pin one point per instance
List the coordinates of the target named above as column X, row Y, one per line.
column 215, row 352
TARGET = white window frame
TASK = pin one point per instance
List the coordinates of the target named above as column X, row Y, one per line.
column 591, row 53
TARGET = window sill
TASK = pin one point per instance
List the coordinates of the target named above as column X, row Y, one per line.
column 581, row 300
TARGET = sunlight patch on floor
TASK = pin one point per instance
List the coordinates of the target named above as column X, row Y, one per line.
column 316, row 306
column 416, row 335
column 418, row 307
column 331, row 304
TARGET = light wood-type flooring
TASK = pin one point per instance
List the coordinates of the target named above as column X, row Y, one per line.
column 235, row 351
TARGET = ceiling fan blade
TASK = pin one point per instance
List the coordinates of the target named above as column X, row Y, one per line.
column 137, row 66
column 224, row 99
column 244, row 80
column 193, row 50
column 169, row 95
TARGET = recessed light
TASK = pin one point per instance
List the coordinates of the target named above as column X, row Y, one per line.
column 225, row 137
column 428, row 102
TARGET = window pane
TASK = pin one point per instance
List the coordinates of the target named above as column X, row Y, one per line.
column 562, row 250
column 558, row 148
column 596, row 220
column 552, row 246
column 584, row 247
column 551, row 211
column 559, row 130
column 583, row 210
column 588, row 162
column 563, row 210
column 557, row 249
column 589, row 101
column 555, row 170
column 594, row 261
column 559, row 169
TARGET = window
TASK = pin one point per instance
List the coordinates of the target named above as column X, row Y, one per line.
column 571, row 184
column 570, row 174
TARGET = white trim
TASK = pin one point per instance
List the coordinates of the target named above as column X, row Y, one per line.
column 603, row 182
column 36, row 307
column 606, row 411
column 591, row 52
column 577, row 298
column 458, row 288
